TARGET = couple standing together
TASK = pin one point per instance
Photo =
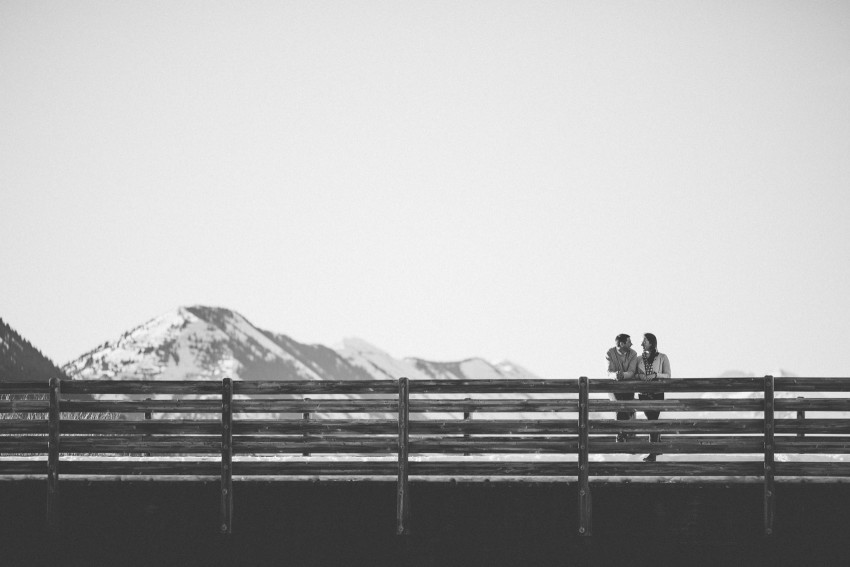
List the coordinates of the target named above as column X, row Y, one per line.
column 625, row 364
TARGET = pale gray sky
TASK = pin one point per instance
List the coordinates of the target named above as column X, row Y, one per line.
column 518, row 180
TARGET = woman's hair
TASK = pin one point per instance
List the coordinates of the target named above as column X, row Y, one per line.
column 652, row 340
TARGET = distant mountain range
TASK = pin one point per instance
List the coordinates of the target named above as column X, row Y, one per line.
column 202, row 342
column 212, row 343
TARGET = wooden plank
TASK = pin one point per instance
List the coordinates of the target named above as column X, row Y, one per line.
column 678, row 385
column 539, row 468
column 211, row 406
column 769, row 489
column 53, row 428
column 162, row 445
column 24, row 426
column 812, row 445
column 248, row 445
column 316, row 427
column 402, row 488
column 680, row 404
column 40, row 387
column 26, row 445
column 226, row 524
column 459, row 446
column 811, row 404
column 678, row 426
column 671, row 445
column 428, row 386
column 129, row 444
column 493, row 405
column 585, row 525
column 821, row 468
column 146, row 467
column 384, row 468
column 493, row 427
column 24, row 406
column 813, row 426
column 150, row 427
column 316, row 387
column 129, row 387
column 785, row 384
column 151, row 467
column 311, row 405
column 430, row 427
column 680, row 468
column 386, row 446
column 493, row 386
column 608, row 468
column 425, row 406
column 33, row 468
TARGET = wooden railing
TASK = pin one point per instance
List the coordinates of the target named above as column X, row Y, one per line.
column 754, row 429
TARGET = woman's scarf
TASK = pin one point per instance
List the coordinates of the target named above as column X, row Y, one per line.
column 648, row 359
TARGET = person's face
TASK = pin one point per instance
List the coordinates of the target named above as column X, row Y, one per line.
column 646, row 344
column 627, row 344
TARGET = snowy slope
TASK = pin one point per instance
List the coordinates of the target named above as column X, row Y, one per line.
column 212, row 343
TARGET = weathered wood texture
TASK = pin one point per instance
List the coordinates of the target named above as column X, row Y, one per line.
column 585, row 526
column 403, row 429
column 384, row 425
column 769, row 469
column 402, row 488
column 366, row 426
column 226, row 525
column 53, row 440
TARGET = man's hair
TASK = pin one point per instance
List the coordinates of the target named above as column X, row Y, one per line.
column 622, row 337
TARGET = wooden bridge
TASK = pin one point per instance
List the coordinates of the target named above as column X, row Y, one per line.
column 729, row 429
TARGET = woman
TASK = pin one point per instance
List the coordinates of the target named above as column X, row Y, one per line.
column 652, row 366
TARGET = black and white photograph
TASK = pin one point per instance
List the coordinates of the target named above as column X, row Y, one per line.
column 426, row 283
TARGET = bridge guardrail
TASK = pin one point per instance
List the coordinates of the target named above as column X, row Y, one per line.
column 739, row 429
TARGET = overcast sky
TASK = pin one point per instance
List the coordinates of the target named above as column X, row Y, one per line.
column 512, row 180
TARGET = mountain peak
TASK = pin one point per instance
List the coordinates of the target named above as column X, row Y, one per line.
column 204, row 342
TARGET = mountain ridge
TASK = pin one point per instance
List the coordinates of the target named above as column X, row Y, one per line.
column 203, row 342
column 20, row 361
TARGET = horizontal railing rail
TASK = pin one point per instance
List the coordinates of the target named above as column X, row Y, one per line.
column 738, row 429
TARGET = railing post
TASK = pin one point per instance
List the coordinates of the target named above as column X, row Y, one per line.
column 402, row 492
column 53, row 419
column 226, row 456
column 585, row 510
column 801, row 417
column 148, row 416
column 467, row 416
column 306, row 417
column 769, row 468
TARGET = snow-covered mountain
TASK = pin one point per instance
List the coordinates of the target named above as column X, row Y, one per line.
column 202, row 342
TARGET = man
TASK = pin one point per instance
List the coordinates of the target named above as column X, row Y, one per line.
column 622, row 365
column 653, row 365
